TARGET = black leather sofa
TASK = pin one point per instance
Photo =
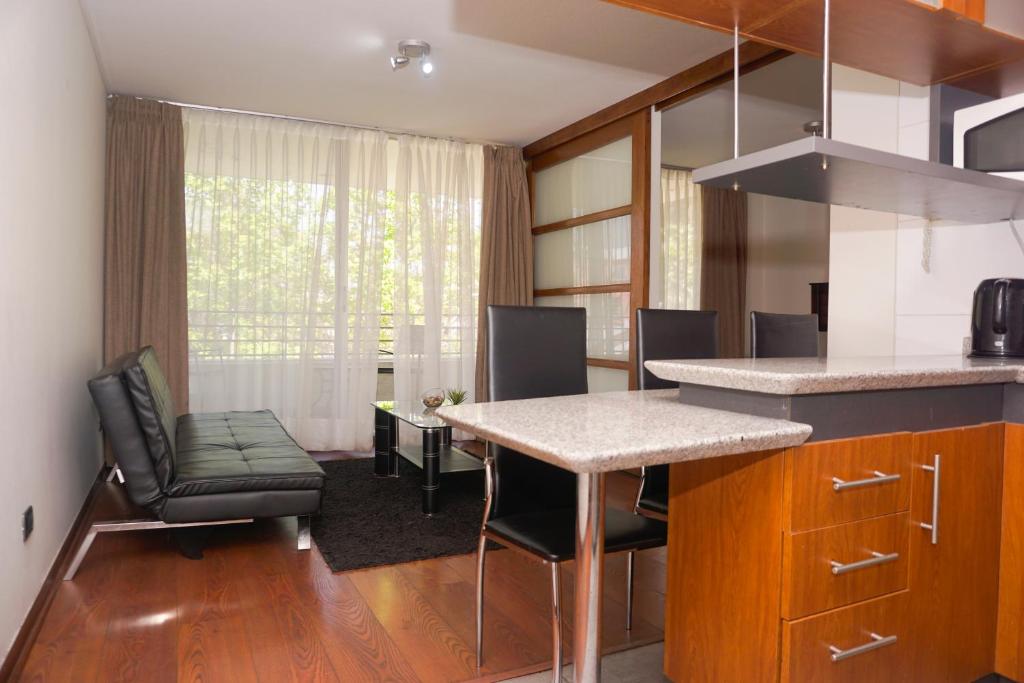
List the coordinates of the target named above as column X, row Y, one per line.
column 197, row 469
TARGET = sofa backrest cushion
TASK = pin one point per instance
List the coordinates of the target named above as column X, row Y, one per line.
column 155, row 411
column 121, row 426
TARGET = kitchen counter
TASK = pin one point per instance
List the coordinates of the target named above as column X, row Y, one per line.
column 611, row 431
column 795, row 376
column 782, row 468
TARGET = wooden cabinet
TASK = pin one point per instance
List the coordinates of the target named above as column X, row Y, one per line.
column 724, row 569
column 753, row 538
column 832, row 482
column 954, row 552
column 844, row 564
column 1010, row 626
column 909, row 40
column 862, row 642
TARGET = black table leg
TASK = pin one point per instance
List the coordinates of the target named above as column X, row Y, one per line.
column 385, row 439
column 431, row 469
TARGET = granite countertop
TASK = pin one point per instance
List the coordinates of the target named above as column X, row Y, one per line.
column 790, row 376
column 618, row 430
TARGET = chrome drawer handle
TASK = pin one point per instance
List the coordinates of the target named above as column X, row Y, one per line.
column 879, row 478
column 933, row 526
column 877, row 641
column 876, row 559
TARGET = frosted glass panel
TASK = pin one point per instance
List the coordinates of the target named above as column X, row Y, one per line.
column 606, row 379
column 607, row 321
column 595, row 181
column 592, row 254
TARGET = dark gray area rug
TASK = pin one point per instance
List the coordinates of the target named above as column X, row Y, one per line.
column 366, row 521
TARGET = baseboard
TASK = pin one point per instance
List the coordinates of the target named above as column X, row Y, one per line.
column 14, row 662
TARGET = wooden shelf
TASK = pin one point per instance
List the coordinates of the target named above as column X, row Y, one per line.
column 902, row 39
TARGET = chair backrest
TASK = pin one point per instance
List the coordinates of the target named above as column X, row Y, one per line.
column 138, row 416
column 783, row 335
column 665, row 334
column 533, row 352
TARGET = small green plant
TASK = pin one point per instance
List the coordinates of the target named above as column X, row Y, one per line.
column 457, row 396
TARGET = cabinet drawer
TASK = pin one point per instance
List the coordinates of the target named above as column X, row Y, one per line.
column 871, row 557
column 834, row 482
column 869, row 640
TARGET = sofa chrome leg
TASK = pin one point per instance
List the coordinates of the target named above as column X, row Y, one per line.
column 131, row 525
column 556, row 624
column 115, row 471
column 630, row 567
column 304, row 539
column 481, row 549
column 80, row 553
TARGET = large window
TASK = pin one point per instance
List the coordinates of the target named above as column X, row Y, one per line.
column 317, row 253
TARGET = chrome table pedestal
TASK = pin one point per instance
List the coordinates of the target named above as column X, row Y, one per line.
column 590, row 493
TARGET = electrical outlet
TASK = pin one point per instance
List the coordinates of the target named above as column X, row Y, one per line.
column 27, row 523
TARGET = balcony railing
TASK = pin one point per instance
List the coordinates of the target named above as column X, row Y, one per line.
column 245, row 335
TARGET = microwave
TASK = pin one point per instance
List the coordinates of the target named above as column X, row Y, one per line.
column 989, row 137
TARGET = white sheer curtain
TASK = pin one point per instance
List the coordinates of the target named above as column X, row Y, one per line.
column 436, row 264
column 286, row 226
column 680, row 241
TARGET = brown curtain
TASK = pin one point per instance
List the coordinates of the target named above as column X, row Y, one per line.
column 506, row 249
column 144, row 286
column 723, row 277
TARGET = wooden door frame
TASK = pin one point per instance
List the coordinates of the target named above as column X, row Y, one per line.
column 640, row 231
column 632, row 117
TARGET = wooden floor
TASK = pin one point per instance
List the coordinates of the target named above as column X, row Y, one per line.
column 256, row 609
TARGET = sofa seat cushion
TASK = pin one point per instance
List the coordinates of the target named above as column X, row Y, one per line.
column 239, row 451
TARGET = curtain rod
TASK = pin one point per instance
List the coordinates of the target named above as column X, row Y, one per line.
column 673, row 167
column 391, row 132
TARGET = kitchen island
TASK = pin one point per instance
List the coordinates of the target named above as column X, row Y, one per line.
column 884, row 548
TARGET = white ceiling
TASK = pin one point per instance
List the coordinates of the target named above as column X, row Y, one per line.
column 507, row 71
column 775, row 102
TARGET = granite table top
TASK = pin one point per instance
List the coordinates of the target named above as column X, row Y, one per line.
column 604, row 432
column 792, row 376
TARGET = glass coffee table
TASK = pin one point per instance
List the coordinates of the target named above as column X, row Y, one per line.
column 435, row 457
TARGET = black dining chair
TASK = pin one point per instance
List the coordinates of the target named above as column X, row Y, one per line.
column 783, row 335
column 537, row 352
column 663, row 334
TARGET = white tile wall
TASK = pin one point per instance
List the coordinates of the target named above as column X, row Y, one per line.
column 862, row 244
column 913, row 140
column 918, row 335
column 961, row 256
column 933, row 306
column 914, row 104
column 882, row 298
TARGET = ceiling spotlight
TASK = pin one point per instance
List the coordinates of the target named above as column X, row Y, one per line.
column 413, row 49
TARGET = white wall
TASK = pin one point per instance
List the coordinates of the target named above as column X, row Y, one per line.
column 787, row 249
column 862, row 249
column 51, row 260
column 886, row 296
column 933, row 306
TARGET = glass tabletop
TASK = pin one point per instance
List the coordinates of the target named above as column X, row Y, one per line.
column 415, row 413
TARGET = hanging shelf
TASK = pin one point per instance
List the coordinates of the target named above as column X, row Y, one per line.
column 827, row 171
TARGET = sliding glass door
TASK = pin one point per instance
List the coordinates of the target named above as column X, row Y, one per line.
column 591, row 247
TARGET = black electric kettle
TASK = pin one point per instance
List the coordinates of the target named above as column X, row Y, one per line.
column 997, row 320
